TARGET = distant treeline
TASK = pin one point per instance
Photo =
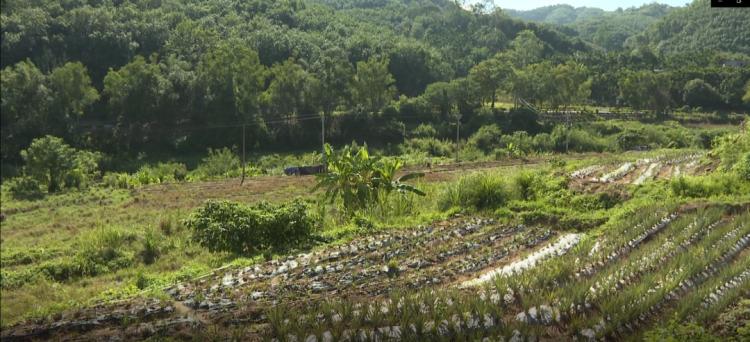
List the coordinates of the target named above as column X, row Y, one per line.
column 181, row 75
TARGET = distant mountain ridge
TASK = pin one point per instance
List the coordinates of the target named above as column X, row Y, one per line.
column 694, row 28
column 557, row 14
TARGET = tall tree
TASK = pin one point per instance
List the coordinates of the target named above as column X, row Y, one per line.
column 646, row 90
column 526, row 49
column 490, row 75
column 72, row 94
column 289, row 94
column 699, row 93
column 572, row 84
column 334, row 74
column 48, row 159
column 233, row 79
column 373, row 86
column 25, row 100
column 136, row 95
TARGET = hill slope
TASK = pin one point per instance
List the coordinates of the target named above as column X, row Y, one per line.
column 698, row 27
column 606, row 29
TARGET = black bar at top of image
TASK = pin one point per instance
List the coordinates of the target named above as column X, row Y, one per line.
column 730, row 3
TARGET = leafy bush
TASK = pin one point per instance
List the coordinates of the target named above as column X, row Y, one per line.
column 519, row 143
column 16, row 279
column 576, row 140
column 55, row 164
column 731, row 149
column 542, row 142
column 233, row 227
column 432, row 146
column 742, row 167
column 220, row 163
column 25, row 187
column 160, row 173
column 486, row 138
column 85, row 170
column 425, row 131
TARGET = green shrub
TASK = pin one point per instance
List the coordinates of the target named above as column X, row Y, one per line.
column 676, row 331
column 85, row 170
column 363, row 222
column 161, row 172
column 487, row 138
column 151, row 247
column 240, row 229
column 742, row 167
column 478, row 191
column 576, row 140
column 425, row 131
column 220, row 163
column 26, row 188
column 55, row 164
column 431, row 146
column 16, row 279
column 118, row 180
column 146, row 175
column 711, row 185
column 61, row 269
column 103, row 250
column 542, row 142
column 733, row 150
column 179, row 172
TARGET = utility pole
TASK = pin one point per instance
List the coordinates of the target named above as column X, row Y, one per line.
column 323, row 136
column 243, row 155
column 567, row 131
column 458, row 128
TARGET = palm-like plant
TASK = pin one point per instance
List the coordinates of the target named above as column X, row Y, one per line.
column 360, row 179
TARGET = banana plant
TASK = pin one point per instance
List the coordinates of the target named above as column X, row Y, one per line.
column 360, row 179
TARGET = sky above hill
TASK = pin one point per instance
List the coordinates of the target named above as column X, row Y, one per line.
column 608, row 5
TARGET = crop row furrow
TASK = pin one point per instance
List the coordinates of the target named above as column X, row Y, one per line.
column 684, row 286
column 623, row 250
column 716, row 295
column 626, row 274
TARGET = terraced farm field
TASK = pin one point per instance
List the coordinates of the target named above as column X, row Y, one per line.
column 641, row 170
column 665, row 262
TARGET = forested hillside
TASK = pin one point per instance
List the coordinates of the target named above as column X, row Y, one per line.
column 608, row 30
column 699, row 28
column 373, row 170
column 184, row 75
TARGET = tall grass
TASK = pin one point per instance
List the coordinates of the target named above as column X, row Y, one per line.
column 478, row 191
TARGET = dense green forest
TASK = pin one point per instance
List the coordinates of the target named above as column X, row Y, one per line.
column 182, row 75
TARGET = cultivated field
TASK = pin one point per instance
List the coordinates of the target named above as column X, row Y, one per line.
column 430, row 274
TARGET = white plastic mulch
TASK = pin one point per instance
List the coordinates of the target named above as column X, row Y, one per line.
column 560, row 247
column 648, row 174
